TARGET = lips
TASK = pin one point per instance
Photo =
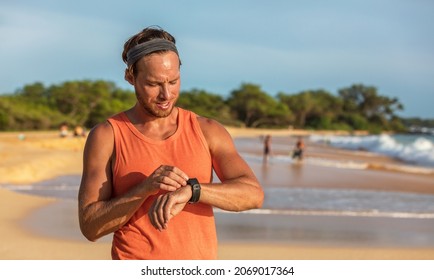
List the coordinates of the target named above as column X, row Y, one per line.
column 163, row 106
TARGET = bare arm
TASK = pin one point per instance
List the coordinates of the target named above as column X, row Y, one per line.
column 99, row 213
column 239, row 189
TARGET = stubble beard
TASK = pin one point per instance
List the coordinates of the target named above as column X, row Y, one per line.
column 153, row 110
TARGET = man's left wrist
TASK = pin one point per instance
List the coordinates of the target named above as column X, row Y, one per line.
column 195, row 190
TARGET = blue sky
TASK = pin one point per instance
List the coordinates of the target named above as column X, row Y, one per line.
column 283, row 46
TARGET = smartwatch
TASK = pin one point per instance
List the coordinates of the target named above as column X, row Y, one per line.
column 195, row 190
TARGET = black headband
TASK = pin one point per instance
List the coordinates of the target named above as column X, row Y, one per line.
column 140, row 50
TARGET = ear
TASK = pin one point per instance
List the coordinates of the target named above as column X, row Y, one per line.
column 129, row 77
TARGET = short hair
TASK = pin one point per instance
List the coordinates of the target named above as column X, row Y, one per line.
column 147, row 34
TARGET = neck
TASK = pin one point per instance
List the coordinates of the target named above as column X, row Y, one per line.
column 157, row 128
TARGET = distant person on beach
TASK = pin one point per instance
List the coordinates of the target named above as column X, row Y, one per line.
column 79, row 131
column 64, row 130
column 298, row 150
column 148, row 171
column 267, row 147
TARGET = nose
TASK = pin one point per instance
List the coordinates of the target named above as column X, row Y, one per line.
column 165, row 91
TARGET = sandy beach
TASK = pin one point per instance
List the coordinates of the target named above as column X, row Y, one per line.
column 44, row 155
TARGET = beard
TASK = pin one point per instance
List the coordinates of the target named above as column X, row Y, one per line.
column 152, row 109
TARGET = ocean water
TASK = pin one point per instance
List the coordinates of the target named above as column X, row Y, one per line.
column 416, row 150
column 294, row 216
column 349, row 202
column 289, row 200
column 290, row 214
column 314, row 201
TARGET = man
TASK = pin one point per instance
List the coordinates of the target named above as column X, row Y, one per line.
column 267, row 148
column 147, row 174
column 298, row 150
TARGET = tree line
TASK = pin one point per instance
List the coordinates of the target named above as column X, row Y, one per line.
column 86, row 103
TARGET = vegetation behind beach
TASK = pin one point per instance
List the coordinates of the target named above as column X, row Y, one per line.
column 86, row 103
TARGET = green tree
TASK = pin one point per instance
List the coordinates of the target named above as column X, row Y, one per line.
column 365, row 100
column 74, row 102
column 205, row 104
column 34, row 93
column 87, row 103
column 255, row 108
column 313, row 108
column 18, row 113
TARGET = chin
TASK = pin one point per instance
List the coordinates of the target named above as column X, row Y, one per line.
column 161, row 113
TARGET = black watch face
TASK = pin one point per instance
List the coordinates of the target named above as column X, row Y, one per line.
column 193, row 182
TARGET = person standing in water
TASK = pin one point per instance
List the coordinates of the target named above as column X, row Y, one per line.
column 267, row 147
column 298, row 150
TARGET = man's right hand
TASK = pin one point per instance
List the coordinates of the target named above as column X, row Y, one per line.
column 167, row 178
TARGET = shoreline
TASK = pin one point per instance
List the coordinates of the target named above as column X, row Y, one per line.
column 275, row 227
column 229, row 248
column 26, row 244
column 44, row 155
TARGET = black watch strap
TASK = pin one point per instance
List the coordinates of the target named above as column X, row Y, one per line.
column 195, row 190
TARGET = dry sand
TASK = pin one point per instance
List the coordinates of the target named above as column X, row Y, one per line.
column 43, row 155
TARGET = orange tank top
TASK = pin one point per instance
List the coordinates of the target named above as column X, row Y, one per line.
column 191, row 234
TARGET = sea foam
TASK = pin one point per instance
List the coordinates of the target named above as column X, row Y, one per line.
column 417, row 150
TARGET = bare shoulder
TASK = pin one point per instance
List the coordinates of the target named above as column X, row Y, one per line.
column 100, row 137
column 102, row 129
column 214, row 132
column 212, row 127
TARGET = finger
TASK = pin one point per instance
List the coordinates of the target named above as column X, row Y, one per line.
column 176, row 174
column 160, row 211
column 152, row 216
column 154, row 213
column 169, row 184
column 167, row 178
column 175, row 203
column 180, row 173
column 168, row 208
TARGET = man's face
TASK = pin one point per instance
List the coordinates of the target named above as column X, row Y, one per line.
column 157, row 83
